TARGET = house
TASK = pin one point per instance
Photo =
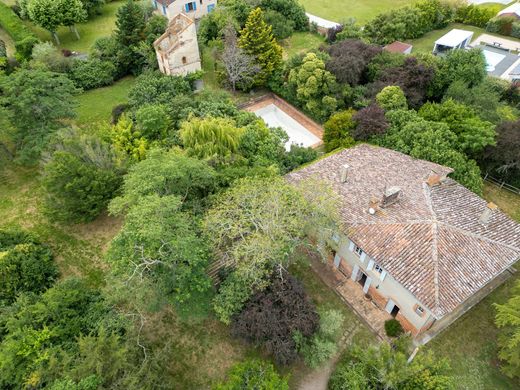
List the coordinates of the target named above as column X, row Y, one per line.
column 455, row 39
column 512, row 11
column 195, row 9
column 423, row 247
column 399, row 47
column 500, row 62
column 177, row 49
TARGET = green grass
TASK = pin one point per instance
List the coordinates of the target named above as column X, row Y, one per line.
column 99, row 26
column 470, row 343
column 426, row 42
column 300, row 42
column 8, row 42
column 96, row 105
column 361, row 10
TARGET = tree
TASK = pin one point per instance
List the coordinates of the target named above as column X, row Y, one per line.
column 384, row 367
column 338, row 130
column 130, row 24
column 272, row 316
column 73, row 13
column 240, row 68
column 39, row 100
column 392, row 98
column 315, row 87
column 93, row 7
column 165, row 173
column 292, row 10
column 76, row 190
column 349, row 60
column 160, row 242
column 254, row 374
column 156, row 88
column 255, row 226
column 210, row 137
column 257, row 40
column 48, row 56
column 282, row 27
column 504, row 157
column 128, row 141
column 153, row 121
column 370, row 121
column 92, row 73
column 26, row 265
column 473, row 133
column 508, row 321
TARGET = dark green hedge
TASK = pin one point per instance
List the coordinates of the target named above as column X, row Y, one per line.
column 23, row 38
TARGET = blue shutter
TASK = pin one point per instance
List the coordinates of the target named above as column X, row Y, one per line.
column 187, row 7
column 211, row 7
column 194, row 5
column 164, row 9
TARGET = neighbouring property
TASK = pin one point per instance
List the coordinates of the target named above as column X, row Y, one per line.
column 512, row 11
column 421, row 246
column 177, row 49
column 195, row 9
column 399, row 47
column 276, row 112
column 454, row 39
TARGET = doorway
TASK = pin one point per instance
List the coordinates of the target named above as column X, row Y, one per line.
column 394, row 311
column 362, row 280
column 392, row 308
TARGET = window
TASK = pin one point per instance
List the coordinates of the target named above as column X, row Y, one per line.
column 378, row 268
column 419, row 310
column 184, row 60
column 358, row 250
column 190, row 6
column 200, row 2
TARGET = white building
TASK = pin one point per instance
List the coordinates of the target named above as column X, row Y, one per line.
column 195, row 9
column 177, row 49
column 455, row 39
column 513, row 10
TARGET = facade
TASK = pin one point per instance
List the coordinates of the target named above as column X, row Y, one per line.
column 399, row 47
column 422, row 246
column 195, row 9
column 455, row 39
column 512, row 11
column 177, row 49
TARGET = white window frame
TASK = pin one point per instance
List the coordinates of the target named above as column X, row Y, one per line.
column 358, row 251
column 419, row 310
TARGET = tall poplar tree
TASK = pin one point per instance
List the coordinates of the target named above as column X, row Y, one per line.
column 258, row 41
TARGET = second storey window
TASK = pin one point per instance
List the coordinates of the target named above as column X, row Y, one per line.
column 358, row 250
column 191, row 6
column 378, row 268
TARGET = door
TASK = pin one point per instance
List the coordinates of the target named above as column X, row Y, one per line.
column 362, row 279
column 392, row 308
column 337, row 260
column 355, row 272
column 367, row 285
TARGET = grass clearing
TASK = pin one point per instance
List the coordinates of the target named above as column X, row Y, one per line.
column 361, row 10
column 427, row 41
column 301, row 41
column 470, row 343
column 96, row 105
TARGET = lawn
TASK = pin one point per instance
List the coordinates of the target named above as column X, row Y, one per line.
column 470, row 343
column 426, row 42
column 300, row 42
column 96, row 105
column 341, row 10
column 8, row 42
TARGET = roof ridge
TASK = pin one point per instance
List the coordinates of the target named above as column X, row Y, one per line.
column 435, row 249
column 411, row 222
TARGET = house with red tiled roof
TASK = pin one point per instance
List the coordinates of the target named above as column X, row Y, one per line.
column 399, row 47
column 194, row 9
column 422, row 246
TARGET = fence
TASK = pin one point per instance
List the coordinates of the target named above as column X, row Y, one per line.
column 502, row 184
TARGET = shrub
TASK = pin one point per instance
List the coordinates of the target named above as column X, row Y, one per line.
column 338, row 129
column 23, row 38
column 271, row 317
column 475, row 15
column 92, row 73
column 282, row 27
column 370, row 121
column 392, row 98
column 254, row 374
column 515, row 30
column 393, row 328
column 501, row 25
column 25, row 265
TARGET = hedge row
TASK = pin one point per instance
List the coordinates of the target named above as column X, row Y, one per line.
column 23, row 38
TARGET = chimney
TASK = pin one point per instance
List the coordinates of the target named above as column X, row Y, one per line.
column 390, row 196
column 344, row 172
column 434, row 179
column 486, row 215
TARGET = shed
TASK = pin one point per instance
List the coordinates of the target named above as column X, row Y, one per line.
column 455, row 39
column 399, row 47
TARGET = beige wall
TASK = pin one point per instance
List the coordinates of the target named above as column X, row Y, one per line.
column 386, row 289
column 178, row 6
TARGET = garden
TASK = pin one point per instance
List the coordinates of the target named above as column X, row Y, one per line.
column 126, row 187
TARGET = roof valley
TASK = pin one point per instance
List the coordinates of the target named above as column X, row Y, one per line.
column 435, row 243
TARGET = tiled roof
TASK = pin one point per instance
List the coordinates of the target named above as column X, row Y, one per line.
column 432, row 240
column 166, row 2
column 397, row 47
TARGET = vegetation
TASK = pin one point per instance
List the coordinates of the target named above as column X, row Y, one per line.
column 253, row 374
column 393, row 328
column 23, row 38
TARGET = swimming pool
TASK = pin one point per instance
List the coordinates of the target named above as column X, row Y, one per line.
column 492, row 59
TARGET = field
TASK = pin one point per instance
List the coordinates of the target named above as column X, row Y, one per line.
column 470, row 343
column 361, row 10
column 426, row 42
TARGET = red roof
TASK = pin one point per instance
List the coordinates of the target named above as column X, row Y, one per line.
column 398, row 47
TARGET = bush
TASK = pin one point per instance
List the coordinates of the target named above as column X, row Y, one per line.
column 23, row 38
column 370, row 122
column 25, row 265
column 92, row 73
column 475, row 15
column 515, row 30
column 338, row 129
column 392, row 98
column 393, row 328
column 254, row 374
column 501, row 25
column 282, row 27
column 272, row 316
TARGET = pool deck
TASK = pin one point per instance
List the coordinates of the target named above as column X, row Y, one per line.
column 298, row 116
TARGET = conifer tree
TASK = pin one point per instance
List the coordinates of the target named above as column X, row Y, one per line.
column 258, row 41
column 508, row 319
column 130, row 24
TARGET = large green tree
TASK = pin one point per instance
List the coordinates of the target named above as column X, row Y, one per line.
column 508, row 320
column 39, row 100
column 258, row 41
column 253, row 374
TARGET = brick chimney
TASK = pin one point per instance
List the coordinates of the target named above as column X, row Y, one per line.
column 486, row 215
column 390, row 196
column 344, row 173
column 434, row 179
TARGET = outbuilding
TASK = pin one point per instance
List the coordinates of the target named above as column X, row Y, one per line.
column 455, row 39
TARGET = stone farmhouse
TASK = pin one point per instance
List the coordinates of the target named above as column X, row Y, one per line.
column 177, row 49
column 421, row 246
column 195, row 9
